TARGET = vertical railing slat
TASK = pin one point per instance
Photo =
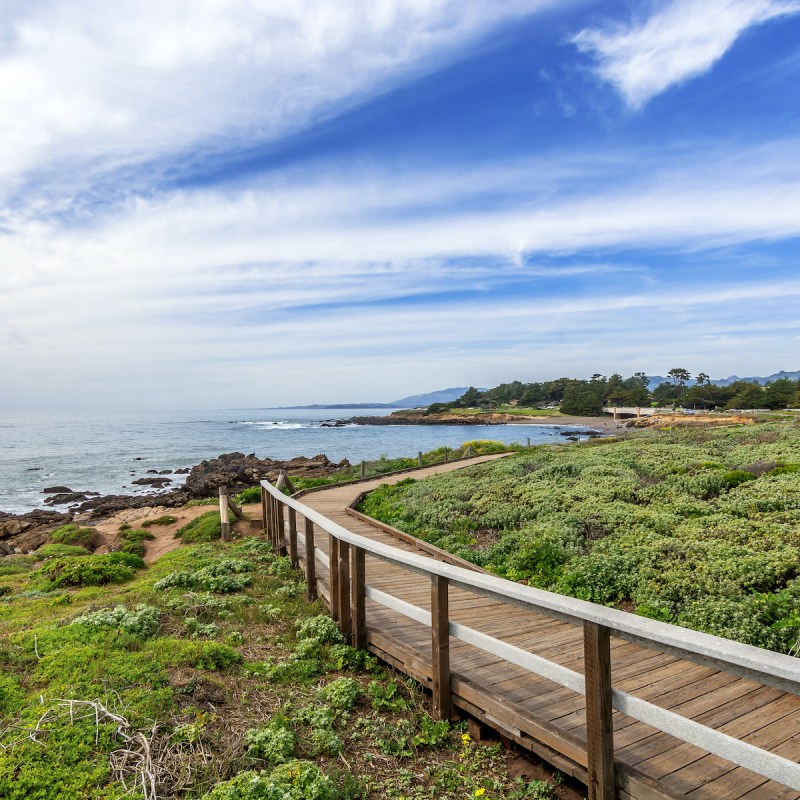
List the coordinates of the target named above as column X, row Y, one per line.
column 599, row 722
column 311, row 561
column 358, row 599
column 333, row 572
column 293, row 538
column 440, row 646
column 344, row 591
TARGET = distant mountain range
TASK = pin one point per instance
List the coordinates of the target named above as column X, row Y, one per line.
column 412, row 401
column 654, row 380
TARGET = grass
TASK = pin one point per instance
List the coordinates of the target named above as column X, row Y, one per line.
column 205, row 528
column 506, row 409
column 164, row 519
column 696, row 527
column 235, row 691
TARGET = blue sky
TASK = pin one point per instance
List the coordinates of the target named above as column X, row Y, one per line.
column 251, row 202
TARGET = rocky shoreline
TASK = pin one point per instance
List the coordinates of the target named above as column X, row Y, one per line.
column 23, row 533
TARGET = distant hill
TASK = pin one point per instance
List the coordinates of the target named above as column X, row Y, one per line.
column 655, row 380
column 441, row 396
column 412, row 401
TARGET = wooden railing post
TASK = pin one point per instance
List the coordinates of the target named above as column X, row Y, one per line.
column 311, row 561
column 224, row 519
column 358, row 599
column 293, row 538
column 281, row 528
column 273, row 523
column 363, row 470
column 445, row 454
column 344, row 591
column 599, row 723
column 333, row 572
column 440, row 646
column 419, row 457
column 264, row 511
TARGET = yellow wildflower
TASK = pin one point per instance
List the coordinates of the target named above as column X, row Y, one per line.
column 481, row 792
column 466, row 738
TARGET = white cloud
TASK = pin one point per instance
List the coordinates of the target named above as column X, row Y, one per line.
column 111, row 84
column 681, row 40
column 291, row 278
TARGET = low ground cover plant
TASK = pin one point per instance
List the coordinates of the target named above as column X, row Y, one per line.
column 258, row 696
column 696, row 527
column 205, row 528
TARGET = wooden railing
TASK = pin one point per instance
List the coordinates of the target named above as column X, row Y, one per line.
column 349, row 591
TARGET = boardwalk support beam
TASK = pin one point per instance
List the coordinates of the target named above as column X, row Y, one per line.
column 599, row 723
column 440, row 645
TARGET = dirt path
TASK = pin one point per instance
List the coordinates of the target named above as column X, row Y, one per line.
column 164, row 542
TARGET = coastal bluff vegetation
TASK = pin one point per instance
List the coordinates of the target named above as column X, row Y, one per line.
column 538, row 401
column 697, row 526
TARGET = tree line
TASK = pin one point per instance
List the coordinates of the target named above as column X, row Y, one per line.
column 588, row 397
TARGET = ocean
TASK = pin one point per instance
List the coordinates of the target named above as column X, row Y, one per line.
column 105, row 452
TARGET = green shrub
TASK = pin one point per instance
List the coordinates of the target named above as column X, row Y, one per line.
column 249, row 495
column 60, row 551
column 164, row 519
column 141, row 622
column 294, row 780
column 205, row 528
column 17, row 564
column 341, row 693
column 74, row 534
column 273, row 742
column 96, row 570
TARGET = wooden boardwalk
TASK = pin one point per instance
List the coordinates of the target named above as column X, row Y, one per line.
column 551, row 720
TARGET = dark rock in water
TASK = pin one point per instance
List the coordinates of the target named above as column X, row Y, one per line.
column 156, row 483
column 573, row 439
column 34, row 469
column 165, row 472
column 57, row 490
column 152, row 472
column 64, row 498
column 185, row 470
column 139, row 458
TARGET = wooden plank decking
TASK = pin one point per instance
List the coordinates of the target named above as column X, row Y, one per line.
column 549, row 719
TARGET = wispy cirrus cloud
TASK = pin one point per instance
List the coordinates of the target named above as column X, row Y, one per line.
column 677, row 42
column 90, row 86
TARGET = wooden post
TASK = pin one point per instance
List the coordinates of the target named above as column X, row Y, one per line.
column 293, row 538
column 599, row 723
column 264, row 510
column 311, row 561
column 281, row 526
column 419, row 457
column 529, row 441
column 223, row 514
column 344, row 591
column 358, row 599
column 272, row 534
column 445, row 454
column 440, row 647
column 274, row 523
column 363, row 470
column 333, row 556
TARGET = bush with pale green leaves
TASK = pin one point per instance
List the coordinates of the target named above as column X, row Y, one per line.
column 690, row 526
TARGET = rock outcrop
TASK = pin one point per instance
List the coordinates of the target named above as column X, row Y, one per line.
column 26, row 532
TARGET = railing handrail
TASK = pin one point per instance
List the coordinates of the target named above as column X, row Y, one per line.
column 754, row 663
column 349, row 592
